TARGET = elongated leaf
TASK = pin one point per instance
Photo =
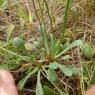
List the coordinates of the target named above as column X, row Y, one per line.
column 53, row 65
column 73, row 44
column 23, row 81
column 48, row 11
column 65, row 18
column 66, row 45
column 43, row 29
column 49, row 91
column 39, row 89
column 75, row 70
column 52, row 75
column 66, row 70
column 57, row 44
column 57, row 47
column 52, row 45
column 69, row 71
column 43, row 33
column 1, row 2
column 9, row 66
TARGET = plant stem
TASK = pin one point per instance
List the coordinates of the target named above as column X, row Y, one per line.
column 65, row 19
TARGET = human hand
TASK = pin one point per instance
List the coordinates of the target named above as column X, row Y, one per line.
column 91, row 91
column 7, row 83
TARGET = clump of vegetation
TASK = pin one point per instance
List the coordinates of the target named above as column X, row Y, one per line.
column 48, row 45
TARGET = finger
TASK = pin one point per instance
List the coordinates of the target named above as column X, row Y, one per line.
column 6, row 77
column 91, row 91
column 7, row 83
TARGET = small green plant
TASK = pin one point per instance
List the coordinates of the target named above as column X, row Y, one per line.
column 42, row 56
column 47, row 65
column 49, row 53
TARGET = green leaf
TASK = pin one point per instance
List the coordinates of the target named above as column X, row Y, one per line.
column 52, row 45
column 18, row 42
column 8, row 66
column 39, row 89
column 66, row 70
column 69, row 71
column 1, row 2
column 66, row 45
column 23, row 81
column 4, row 44
column 73, row 44
column 3, row 66
column 53, row 65
column 65, row 18
column 10, row 30
column 52, row 77
column 43, row 30
column 87, row 50
column 75, row 70
column 57, row 47
column 43, row 33
column 49, row 91
column 57, row 44
column 37, row 44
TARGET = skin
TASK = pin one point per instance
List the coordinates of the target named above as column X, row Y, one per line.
column 7, row 85
column 91, row 91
